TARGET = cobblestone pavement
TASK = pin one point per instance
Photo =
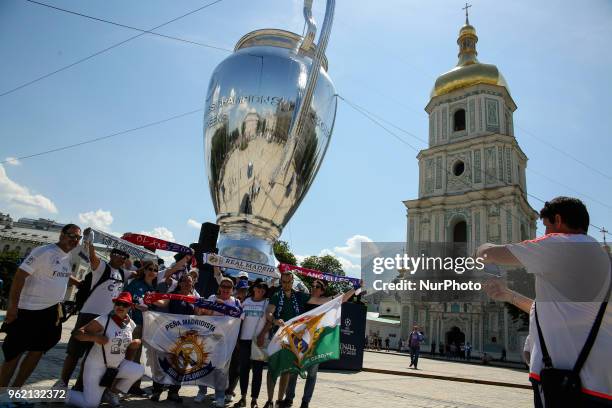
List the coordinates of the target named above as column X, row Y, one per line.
column 363, row 389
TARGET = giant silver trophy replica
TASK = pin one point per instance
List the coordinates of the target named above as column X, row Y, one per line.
column 270, row 111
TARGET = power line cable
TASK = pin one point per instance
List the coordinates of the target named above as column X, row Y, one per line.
column 505, row 184
column 40, row 78
column 569, row 188
column 130, row 27
column 98, row 139
column 588, row 166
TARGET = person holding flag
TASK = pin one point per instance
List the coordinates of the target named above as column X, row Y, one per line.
column 319, row 286
column 284, row 305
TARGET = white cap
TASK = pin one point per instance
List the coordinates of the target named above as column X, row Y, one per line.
column 242, row 274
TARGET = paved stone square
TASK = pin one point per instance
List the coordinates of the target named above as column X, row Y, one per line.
column 363, row 389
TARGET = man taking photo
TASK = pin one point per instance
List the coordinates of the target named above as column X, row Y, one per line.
column 572, row 284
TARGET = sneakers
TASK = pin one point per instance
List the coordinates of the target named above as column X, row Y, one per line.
column 155, row 396
column 112, row 398
column 241, row 403
column 60, row 385
column 286, row 403
column 228, row 398
column 174, row 397
column 200, row 397
column 269, row 404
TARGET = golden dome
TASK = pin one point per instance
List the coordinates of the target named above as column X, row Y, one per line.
column 469, row 71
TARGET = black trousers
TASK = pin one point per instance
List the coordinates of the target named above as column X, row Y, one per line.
column 245, row 366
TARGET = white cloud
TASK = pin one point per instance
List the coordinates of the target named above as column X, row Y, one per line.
column 161, row 233
column 353, row 246
column 13, row 161
column 193, row 223
column 98, row 219
column 18, row 198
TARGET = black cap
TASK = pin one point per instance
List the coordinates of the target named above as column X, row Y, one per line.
column 120, row 253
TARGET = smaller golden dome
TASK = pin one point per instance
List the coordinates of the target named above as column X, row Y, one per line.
column 469, row 71
column 467, row 29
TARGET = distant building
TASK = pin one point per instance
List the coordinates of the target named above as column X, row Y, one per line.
column 26, row 234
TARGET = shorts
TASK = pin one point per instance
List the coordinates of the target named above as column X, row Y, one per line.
column 77, row 348
column 33, row 330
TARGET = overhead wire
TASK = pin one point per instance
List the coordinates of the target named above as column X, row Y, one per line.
column 40, row 78
column 102, row 20
column 98, row 139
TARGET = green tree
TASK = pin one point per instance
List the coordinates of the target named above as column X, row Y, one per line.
column 283, row 253
column 327, row 264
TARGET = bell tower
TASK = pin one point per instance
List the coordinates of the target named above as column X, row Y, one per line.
column 472, row 186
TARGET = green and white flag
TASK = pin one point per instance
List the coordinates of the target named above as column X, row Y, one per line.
column 307, row 339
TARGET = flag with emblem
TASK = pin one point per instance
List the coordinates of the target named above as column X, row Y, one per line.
column 310, row 338
column 183, row 349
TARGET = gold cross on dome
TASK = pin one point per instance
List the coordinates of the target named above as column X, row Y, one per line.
column 467, row 6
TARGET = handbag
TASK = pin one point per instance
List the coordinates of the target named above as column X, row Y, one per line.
column 260, row 353
column 111, row 372
column 563, row 387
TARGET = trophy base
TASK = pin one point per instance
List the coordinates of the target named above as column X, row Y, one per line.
column 246, row 247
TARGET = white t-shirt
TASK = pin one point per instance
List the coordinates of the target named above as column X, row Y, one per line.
column 100, row 301
column 252, row 315
column 119, row 340
column 565, row 265
column 49, row 268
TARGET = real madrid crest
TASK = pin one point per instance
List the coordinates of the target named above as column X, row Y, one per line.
column 188, row 353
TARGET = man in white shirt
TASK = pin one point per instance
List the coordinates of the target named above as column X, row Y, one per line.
column 107, row 282
column 572, row 278
column 33, row 317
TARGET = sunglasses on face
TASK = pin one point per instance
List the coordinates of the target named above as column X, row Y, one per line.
column 151, row 269
column 73, row 236
column 122, row 304
column 119, row 256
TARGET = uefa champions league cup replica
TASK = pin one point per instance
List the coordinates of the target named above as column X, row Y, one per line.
column 270, row 111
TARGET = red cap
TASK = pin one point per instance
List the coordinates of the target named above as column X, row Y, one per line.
column 125, row 297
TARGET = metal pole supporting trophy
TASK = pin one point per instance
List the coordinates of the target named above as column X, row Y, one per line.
column 270, row 111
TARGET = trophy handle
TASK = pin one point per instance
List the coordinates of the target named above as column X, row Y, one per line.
column 303, row 103
column 304, row 99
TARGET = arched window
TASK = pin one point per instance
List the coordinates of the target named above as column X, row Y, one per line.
column 459, row 120
column 460, row 232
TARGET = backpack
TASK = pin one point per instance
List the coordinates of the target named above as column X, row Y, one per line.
column 85, row 289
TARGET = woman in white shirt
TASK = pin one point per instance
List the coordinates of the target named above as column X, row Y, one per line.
column 253, row 308
column 113, row 348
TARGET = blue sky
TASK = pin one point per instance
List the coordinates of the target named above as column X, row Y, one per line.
column 383, row 56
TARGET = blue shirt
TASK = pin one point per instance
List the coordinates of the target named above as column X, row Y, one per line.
column 138, row 288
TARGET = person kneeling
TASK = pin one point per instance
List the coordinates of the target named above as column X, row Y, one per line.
column 108, row 362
